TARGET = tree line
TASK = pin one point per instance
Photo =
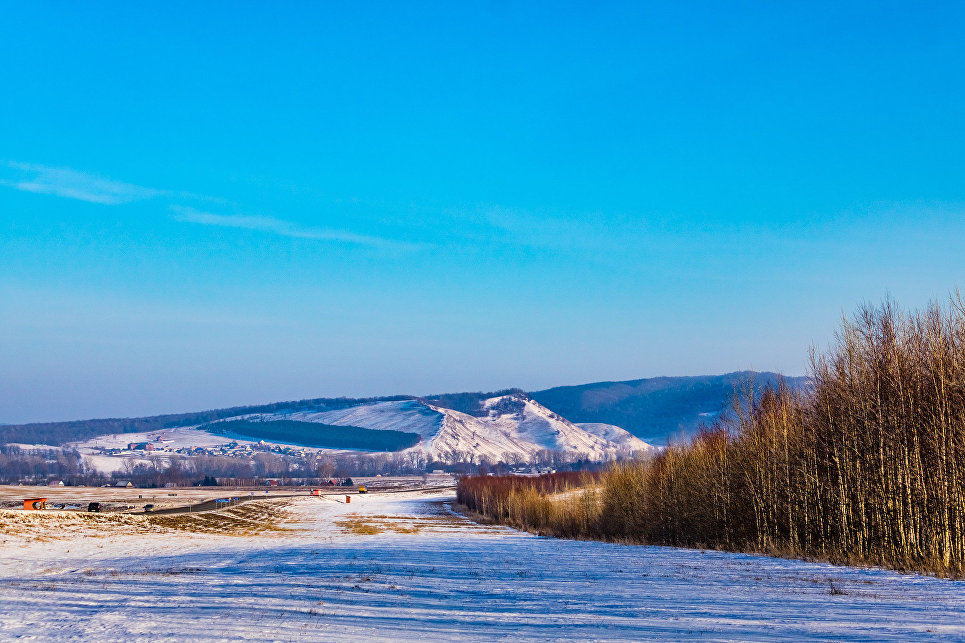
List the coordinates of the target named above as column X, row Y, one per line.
column 41, row 465
column 866, row 465
column 316, row 434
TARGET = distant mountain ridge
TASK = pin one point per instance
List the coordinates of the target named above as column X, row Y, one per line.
column 595, row 420
column 657, row 408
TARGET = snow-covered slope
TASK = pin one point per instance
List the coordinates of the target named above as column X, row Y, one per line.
column 534, row 424
column 411, row 416
column 512, row 428
column 606, row 431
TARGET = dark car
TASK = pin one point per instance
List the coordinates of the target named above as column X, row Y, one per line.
column 148, row 507
column 94, row 506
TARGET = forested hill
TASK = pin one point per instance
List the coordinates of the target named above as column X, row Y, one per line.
column 656, row 408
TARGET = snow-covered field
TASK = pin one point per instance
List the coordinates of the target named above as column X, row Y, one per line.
column 401, row 566
column 174, row 438
column 186, row 436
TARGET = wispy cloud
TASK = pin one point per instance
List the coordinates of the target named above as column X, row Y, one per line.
column 284, row 228
column 84, row 186
column 72, row 184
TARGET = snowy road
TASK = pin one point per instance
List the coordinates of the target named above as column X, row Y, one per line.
column 399, row 566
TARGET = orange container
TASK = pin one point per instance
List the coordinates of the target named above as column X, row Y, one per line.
column 348, row 499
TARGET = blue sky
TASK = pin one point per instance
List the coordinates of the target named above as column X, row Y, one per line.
column 209, row 204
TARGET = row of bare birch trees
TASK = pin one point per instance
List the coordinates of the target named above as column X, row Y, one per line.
column 867, row 465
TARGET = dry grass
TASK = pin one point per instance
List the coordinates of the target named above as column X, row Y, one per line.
column 252, row 518
column 359, row 527
column 370, row 525
column 248, row 519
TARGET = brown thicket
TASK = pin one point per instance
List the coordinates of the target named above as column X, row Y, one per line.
column 865, row 466
column 542, row 503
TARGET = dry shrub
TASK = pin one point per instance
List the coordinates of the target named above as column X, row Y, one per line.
column 562, row 504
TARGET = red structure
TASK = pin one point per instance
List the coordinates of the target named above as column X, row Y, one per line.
column 31, row 504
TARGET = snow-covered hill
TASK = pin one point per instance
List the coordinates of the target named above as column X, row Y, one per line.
column 509, row 428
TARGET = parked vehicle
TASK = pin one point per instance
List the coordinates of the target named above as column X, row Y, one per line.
column 362, row 489
column 94, row 506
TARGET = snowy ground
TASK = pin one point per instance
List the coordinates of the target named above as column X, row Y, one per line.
column 181, row 437
column 175, row 438
column 400, row 566
column 115, row 498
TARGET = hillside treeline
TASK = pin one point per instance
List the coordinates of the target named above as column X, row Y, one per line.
column 316, row 434
column 865, row 466
column 470, row 403
column 657, row 407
